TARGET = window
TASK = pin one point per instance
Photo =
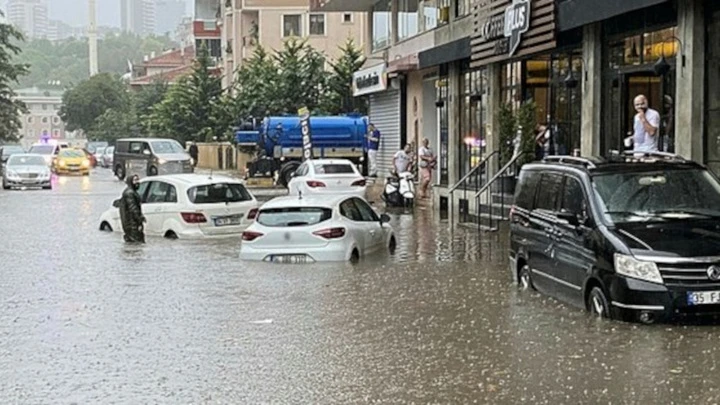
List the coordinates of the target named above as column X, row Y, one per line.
column 213, row 46
column 161, row 192
column 142, row 189
column 169, row 146
column 441, row 103
column 550, row 187
column 317, row 24
column 407, row 18
column 56, row 120
column 366, row 211
column 349, row 210
column 473, row 117
column 381, row 25
column 293, row 216
column 56, row 133
column 44, row 120
column 430, row 13
column 347, row 18
column 292, row 25
column 334, row 169
column 302, row 170
column 44, row 107
column 573, row 197
column 526, row 187
column 463, row 8
column 29, row 120
column 137, row 147
column 218, row 193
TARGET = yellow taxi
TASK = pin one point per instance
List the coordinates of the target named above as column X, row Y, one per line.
column 69, row 161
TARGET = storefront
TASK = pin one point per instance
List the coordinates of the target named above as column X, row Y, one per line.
column 712, row 89
column 386, row 110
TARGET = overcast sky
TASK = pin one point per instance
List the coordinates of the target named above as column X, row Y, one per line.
column 75, row 12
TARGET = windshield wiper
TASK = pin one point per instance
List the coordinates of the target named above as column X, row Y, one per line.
column 686, row 212
column 635, row 213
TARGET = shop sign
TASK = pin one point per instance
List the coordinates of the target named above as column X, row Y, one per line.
column 507, row 28
column 304, row 114
column 370, row 80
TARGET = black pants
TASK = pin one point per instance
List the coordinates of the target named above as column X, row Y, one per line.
column 134, row 235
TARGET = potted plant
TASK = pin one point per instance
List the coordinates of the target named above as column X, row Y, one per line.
column 507, row 133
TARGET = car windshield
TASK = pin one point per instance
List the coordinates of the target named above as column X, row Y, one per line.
column 26, row 161
column 161, row 147
column 293, row 216
column 334, row 169
column 109, row 150
column 218, row 193
column 9, row 150
column 42, row 149
column 100, row 151
column 72, row 153
column 658, row 195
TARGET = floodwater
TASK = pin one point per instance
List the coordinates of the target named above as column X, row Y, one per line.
column 86, row 319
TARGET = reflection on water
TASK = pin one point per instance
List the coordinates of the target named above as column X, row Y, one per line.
column 86, row 318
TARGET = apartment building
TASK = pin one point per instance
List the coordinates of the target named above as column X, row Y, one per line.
column 138, row 16
column 30, row 16
column 41, row 121
column 249, row 23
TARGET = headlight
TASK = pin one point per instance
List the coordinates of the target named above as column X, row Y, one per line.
column 61, row 163
column 12, row 173
column 631, row 267
column 86, row 163
column 162, row 161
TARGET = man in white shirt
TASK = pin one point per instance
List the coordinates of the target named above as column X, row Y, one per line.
column 401, row 160
column 645, row 126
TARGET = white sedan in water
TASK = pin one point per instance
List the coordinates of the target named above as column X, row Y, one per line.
column 327, row 176
column 316, row 228
column 190, row 206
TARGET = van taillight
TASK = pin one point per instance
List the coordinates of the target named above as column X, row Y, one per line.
column 315, row 183
column 359, row 183
column 193, row 217
column 250, row 236
column 252, row 214
column 330, row 233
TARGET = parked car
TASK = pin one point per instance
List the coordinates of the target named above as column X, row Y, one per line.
column 327, row 176
column 98, row 154
column 72, row 161
column 48, row 151
column 150, row 157
column 316, row 228
column 106, row 160
column 190, row 206
column 26, row 170
column 632, row 237
column 8, row 150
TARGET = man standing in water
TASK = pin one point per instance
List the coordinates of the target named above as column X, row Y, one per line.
column 130, row 212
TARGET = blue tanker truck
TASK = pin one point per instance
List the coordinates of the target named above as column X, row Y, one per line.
column 279, row 145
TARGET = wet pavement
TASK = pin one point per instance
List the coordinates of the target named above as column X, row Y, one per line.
column 86, row 319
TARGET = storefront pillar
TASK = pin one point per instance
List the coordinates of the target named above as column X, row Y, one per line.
column 690, row 90
column 453, row 121
column 591, row 90
column 494, row 73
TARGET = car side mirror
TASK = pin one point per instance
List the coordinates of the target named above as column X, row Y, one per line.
column 384, row 218
column 146, row 152
column 572, row 218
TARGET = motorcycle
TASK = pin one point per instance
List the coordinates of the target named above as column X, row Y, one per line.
column 399, row 191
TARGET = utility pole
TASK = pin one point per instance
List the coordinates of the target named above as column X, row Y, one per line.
column 92, row 38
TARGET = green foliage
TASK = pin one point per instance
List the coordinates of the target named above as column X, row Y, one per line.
column 10, row 73
column 510, row 122
column 67, row 61
column 339, row 98
column 508, row 130
column 83, row 104
column 255, row 89
column 114, row 124
column 301, row 76
column 195, row 108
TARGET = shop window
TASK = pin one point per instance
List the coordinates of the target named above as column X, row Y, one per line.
column 463, row 8
column 441, row 102
column 407, row 18
column 292, row 25
column 643, row 49
column 317, row 24
column 381, row 25
column 473, row 118
column 511, row 84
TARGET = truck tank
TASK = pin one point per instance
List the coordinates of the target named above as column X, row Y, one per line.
column 336, row 136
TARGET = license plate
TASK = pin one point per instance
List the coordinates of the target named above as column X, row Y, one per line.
column 703, row 297
column 288, row 259
column 226, row 221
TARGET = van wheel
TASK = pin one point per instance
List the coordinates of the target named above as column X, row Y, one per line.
column 598, row 304
column 170, row 235
column 393, row 246
column 524, row 279
column 152, row 171
column 105, row 227
column 354, row 256
column 120, row 172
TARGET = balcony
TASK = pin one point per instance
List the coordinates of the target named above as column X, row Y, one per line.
column 341, row 5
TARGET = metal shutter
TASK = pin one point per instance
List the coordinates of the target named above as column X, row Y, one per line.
column 385, row 114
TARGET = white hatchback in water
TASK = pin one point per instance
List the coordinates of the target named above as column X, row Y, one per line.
column 327, row 176
column 190, row 206
column 316, row 228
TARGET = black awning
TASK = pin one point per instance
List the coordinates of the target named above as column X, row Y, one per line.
column 576, row 13
column 452, row 51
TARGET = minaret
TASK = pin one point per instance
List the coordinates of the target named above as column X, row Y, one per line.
column 92, row 38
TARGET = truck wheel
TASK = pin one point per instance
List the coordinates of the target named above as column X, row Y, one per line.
column 286, row 173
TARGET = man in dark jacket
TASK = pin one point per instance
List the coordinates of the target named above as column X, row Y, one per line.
column 194, row 153
column 130, row 212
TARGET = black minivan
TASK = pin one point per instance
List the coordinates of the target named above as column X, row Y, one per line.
column 635, row 236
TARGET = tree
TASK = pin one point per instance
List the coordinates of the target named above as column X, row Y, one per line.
column 83, row 104
column 339, row 98
column 194, row 109
column 256, row 93
column 145, row 100
column 301, row 75
column 114, row 124
column 10, row 73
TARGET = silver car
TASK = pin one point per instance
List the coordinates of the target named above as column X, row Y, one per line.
column 26, row 170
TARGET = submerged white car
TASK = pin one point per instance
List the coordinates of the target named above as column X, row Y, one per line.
column 327, row 176
column 316, row 228
column 190, row 206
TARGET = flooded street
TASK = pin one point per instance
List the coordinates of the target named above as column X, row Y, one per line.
column 86, row 319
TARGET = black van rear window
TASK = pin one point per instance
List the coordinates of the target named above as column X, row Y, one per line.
column 218, row 193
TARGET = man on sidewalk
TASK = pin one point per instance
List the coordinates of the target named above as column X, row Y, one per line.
column 372, row 144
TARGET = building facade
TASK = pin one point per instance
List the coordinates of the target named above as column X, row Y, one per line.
column 249, row 23
column 138, row 16
column 442, row 69
column 30, row 16
column 41, row 119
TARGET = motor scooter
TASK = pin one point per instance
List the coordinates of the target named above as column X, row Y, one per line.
column 399, row 191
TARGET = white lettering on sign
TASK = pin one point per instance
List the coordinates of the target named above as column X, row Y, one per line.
column 517, row 22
